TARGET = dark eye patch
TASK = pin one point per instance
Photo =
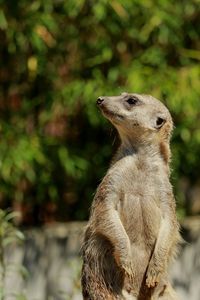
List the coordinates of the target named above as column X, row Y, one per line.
column 132, row 101
column 160, row 122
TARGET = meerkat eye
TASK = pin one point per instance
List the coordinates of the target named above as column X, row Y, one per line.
column 159, row 122
column 132, row 101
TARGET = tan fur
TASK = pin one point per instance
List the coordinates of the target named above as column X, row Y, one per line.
column 132, row 233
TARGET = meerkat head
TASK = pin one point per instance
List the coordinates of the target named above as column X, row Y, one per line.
column 138, row 118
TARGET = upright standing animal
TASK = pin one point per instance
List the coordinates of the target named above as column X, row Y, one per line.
column 133, row 232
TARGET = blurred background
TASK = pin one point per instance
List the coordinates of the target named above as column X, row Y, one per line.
column 57, row 57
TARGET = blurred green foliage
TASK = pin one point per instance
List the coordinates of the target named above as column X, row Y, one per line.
column 57, row 57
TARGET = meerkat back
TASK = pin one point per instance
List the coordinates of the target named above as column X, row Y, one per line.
column 132, row 233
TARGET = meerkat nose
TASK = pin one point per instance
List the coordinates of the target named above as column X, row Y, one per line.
column 100, row 100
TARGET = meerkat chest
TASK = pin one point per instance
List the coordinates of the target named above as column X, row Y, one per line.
column 139, row 209
column 139, row 187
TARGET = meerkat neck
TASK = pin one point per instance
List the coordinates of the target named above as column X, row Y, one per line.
column 146, row 150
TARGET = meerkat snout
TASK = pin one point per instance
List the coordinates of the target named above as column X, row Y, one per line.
column 100, row 100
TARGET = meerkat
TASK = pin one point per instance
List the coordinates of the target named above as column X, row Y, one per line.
column 133, row 233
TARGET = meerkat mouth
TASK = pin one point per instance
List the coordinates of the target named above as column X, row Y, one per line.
column 110, row 114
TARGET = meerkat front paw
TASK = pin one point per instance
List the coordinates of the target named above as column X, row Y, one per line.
column 128, row 268
column 126, row 264
column 153, row 275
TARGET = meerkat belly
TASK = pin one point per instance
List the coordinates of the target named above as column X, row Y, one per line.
column 141, row 218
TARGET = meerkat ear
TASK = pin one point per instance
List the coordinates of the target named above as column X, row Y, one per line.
column 160, row 121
